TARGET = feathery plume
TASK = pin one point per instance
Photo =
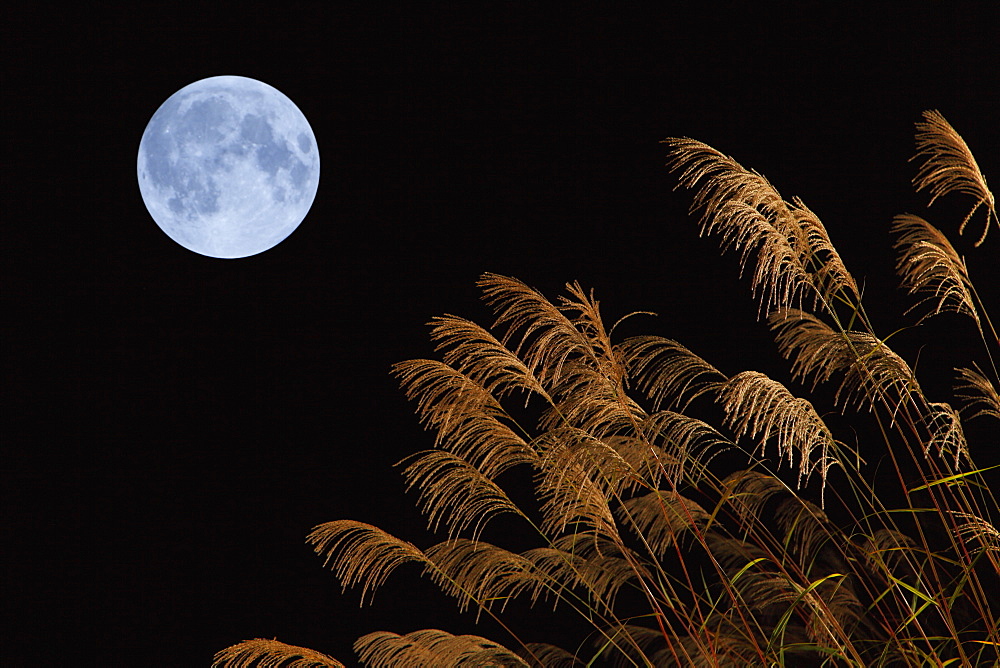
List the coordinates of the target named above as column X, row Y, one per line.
column 479, row 571
column 431, row 648
column 928, row 264
column 762, row 408
column 950, row 167
column 795, row 258
column 454, row 491
column 873, row 373
column 362, row 553
column 980, row 395
column 264, row 653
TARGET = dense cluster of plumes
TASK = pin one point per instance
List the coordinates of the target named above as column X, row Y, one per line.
column 722, row 567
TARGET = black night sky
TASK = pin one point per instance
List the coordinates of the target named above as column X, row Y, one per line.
column 174, row 425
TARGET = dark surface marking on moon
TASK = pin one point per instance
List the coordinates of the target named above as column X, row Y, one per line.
column 304, row 144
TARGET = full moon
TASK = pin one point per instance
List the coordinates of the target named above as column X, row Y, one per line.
column 228, row 167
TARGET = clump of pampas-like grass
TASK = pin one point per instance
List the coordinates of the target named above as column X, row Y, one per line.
column 742, row 567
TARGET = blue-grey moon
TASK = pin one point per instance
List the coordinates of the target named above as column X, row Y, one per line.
column 228, row 167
